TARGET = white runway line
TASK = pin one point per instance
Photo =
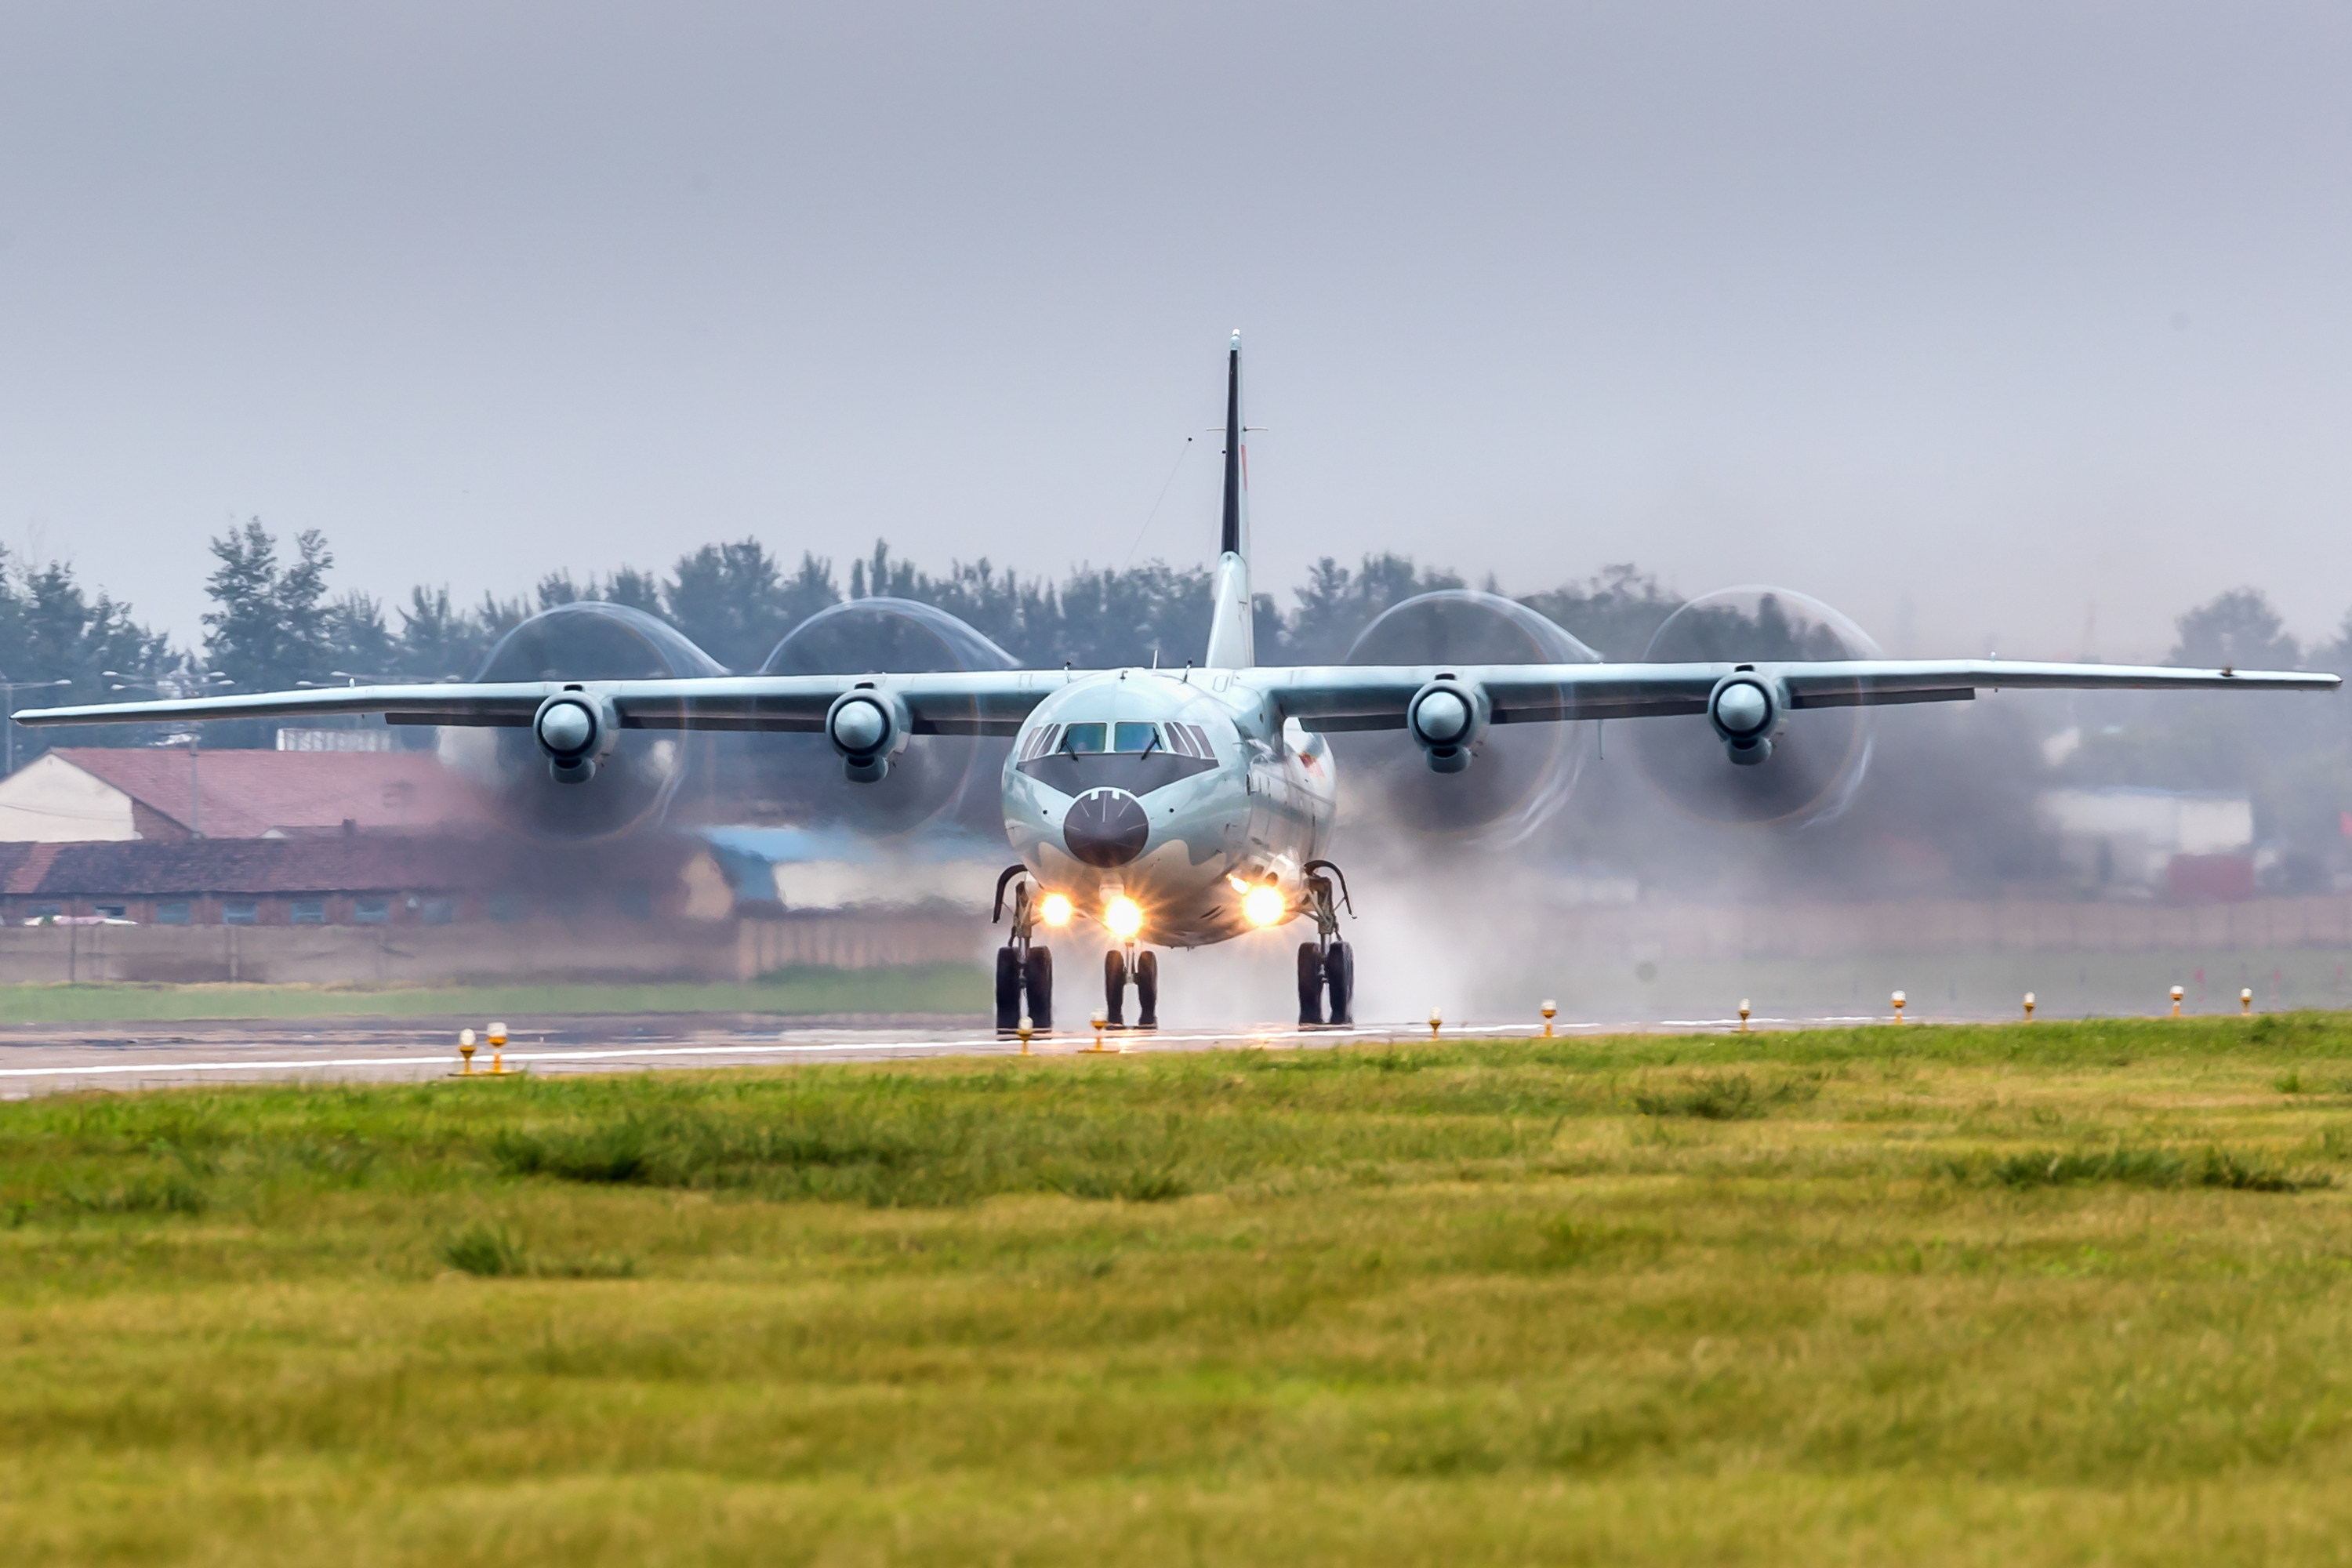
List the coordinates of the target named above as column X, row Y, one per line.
column 991, row 1045
column 1129, row 1043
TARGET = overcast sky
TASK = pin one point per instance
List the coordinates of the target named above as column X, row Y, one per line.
column 1977, row 320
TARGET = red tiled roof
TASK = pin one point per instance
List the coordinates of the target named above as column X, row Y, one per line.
column 247, row 794
column 24, row 870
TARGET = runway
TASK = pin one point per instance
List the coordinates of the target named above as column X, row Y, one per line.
column 48, row 1058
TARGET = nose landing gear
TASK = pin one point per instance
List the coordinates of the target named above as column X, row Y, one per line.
column 1327, row 965
column 1024, row 971
column 1144, row 966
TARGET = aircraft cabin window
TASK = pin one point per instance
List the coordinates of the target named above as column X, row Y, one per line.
column 1082, row 738
column 1136, row 738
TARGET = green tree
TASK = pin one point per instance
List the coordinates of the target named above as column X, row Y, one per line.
column 2238, row 629
column 1337, row 603
column 270, row 625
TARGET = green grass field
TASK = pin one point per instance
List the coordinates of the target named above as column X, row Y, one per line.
column 2064, row 1293
column 940, row 988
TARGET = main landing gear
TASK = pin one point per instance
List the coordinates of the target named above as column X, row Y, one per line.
column 1023, row 969
column 1326, row 964
column 1144, row 966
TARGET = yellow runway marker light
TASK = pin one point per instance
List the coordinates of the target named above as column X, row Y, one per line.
column 1436, row 1022
column 2176, row 1001
column 1743, row 1014
column 2029, row 1007
column 466, row 1052
column 1026, row 1027
column 1898, row 1007
column 498, row 1049
column 2246, row 1002
column 1550, row 1010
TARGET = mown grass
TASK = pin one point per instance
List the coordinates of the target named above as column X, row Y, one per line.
column 942, row 989
column 2052, row 1293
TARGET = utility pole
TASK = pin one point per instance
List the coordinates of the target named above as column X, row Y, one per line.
column 11, row 688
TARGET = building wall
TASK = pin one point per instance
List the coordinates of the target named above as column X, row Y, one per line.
column 699, row 892
column 522, row 950
column 50, row 801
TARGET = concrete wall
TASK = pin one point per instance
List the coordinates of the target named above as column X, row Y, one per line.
column 740, row 949
column 1838, row 931
column 522, row 950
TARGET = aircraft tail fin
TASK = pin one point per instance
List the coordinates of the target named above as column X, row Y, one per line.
column 1232, row 644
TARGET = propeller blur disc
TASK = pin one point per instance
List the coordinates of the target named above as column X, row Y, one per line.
column 587, row 641
column 937, row 776
column 1520, row 774
column 1818, row 760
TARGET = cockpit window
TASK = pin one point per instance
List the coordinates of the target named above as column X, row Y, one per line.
column 1136, row 738
column 1083, row 739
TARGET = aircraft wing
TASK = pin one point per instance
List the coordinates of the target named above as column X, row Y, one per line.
column 982, row 702
column 1374, row 697
column 1323, row 698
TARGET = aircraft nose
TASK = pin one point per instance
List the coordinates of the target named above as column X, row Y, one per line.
column 1105, row 827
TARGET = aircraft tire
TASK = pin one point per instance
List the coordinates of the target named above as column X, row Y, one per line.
column 1147, row 990
column 1008, row 988
column 1115, row 989
column 1037, row 980
column 1339, row 979
column 1310, row 984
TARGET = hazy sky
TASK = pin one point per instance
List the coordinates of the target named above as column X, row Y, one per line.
column 1968, row 318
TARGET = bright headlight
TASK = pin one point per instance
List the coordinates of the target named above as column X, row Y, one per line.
column 1124, row 916
column 1056, row 909
column 1264, row 905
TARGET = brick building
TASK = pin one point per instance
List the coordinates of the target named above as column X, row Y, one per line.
column 360, row 879
column 168, row 793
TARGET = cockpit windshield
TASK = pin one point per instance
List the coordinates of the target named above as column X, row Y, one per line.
column 1083, row 740
column 1135, row 737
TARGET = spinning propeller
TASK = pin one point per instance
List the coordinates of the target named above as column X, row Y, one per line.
column 1745, row 760
column 1523, row 772
column 525, row 777
column 894, row 783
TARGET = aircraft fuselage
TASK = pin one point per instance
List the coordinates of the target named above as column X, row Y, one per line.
column 1179, row 791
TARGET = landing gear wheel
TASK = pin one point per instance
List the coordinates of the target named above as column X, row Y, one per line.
column 1147, row 990
column 1037, row 979
column 1310, row 984
column 1008, row 989
column 1115, row 989
column 1339, row 979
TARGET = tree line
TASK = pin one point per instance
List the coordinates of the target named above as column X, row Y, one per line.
column 276, row 621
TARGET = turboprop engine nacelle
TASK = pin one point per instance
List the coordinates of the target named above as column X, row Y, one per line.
column 1744, row 708
column 577, row 729
column 867, row 727
column 1444, row 718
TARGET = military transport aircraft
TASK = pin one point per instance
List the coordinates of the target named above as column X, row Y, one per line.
column 1176, row 807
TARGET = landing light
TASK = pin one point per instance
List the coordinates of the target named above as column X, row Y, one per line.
column 1124, row 916
column 1264, row 905
column 1056, row 909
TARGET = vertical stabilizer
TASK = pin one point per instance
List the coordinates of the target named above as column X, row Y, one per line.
column 1230, row 642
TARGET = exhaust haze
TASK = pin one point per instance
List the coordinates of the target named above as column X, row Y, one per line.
column 1997, row 326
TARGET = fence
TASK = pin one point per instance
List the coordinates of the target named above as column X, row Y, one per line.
column 1637, row 931
column 718, row 950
